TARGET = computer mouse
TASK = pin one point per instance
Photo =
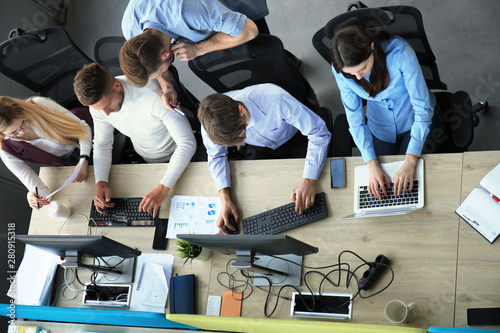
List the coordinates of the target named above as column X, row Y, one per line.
column 234, row 224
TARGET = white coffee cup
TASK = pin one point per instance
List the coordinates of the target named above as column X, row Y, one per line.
column 56, row 209
column 398, row 312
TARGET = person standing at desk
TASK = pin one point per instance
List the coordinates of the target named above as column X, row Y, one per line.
column 268, row 118
column 41, row 131
column 383, row 70
column 157, row 134
column 156, row 30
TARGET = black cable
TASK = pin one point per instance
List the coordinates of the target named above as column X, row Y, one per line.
column 338, row 267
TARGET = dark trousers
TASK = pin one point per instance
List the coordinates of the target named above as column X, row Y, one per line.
column 399, row 147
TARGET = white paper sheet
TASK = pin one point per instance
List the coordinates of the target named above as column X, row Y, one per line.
column 68, row 181
column 151, row 282
column 193, row 215
column 34, row 278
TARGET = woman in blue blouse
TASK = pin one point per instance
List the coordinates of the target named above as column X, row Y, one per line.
column 383, row 70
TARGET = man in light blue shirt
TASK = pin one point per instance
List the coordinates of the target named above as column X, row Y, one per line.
column 265, row 116
column 156, row 30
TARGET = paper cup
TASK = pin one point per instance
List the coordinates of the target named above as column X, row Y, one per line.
column 56, row 209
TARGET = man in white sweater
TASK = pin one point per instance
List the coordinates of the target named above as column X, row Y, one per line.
column 157, row 134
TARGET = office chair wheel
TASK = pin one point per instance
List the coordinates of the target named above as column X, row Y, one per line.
column 481, row 107
column 475, row 120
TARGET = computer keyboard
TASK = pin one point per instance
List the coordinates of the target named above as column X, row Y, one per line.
column 391, row 199
column 284, row 218
column 125, row 213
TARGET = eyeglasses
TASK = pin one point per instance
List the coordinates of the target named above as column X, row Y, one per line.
column 24, row 124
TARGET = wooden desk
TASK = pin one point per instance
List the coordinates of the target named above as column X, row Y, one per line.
column 478, row 260
column 126, row 181
column 422, row 245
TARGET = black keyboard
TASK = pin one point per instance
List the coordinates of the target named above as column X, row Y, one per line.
column 284, row 217
column 391, row 199
column 125, row 213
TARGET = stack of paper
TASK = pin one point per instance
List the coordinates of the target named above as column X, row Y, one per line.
column 34, row 278
column 152, row 276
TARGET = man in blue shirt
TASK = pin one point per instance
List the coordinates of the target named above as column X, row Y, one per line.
column 156, row 30
column 268, row 117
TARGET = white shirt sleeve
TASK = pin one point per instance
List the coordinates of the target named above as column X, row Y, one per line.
column 180, row 130
column 103, row 146
column 24, row 173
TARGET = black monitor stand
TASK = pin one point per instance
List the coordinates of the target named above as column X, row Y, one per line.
column 74, row 260
column 280, row 272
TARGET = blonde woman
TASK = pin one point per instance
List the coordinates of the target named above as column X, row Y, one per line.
column 41, row 131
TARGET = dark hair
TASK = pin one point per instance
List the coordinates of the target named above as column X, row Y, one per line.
column 352, row 45
column 220, row 117
column 92, row 83
column 140, row 57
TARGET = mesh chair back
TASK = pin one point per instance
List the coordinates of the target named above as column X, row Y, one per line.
column 45, row 61
column 404, row 21
column 106, row 52
column 261, row 60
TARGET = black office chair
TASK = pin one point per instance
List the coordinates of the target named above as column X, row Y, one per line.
column 404, row 21
column 45, row 61
column 261, row 60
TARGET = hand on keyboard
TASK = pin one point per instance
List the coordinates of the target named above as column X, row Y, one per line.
column 303, row 194
column 377, row 179
column 405, row 175
column 102, row 198
column 152, row 201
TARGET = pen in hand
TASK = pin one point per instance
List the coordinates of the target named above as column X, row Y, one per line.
column 37, row 203
column 178, row 111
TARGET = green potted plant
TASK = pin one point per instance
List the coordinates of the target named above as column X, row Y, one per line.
column 189, row 251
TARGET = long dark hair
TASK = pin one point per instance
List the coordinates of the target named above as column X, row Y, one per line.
column 352, row 45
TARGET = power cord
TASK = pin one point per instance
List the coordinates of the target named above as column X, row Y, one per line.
column 234, row 284
column 89, row 228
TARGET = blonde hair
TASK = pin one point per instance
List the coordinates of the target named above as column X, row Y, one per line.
column 52, row 125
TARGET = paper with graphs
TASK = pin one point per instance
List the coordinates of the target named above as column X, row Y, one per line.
column 193, row 215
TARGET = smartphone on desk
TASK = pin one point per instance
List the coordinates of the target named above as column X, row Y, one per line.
column 337, row 172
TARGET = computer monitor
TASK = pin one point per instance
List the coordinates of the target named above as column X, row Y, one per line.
column 260, row 254
column 74, row 248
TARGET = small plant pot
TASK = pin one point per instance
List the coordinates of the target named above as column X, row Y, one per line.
column 204, row 254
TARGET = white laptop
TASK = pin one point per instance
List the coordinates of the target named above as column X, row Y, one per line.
column 369, row 206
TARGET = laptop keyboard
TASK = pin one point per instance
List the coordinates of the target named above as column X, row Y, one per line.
column 390, row 200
